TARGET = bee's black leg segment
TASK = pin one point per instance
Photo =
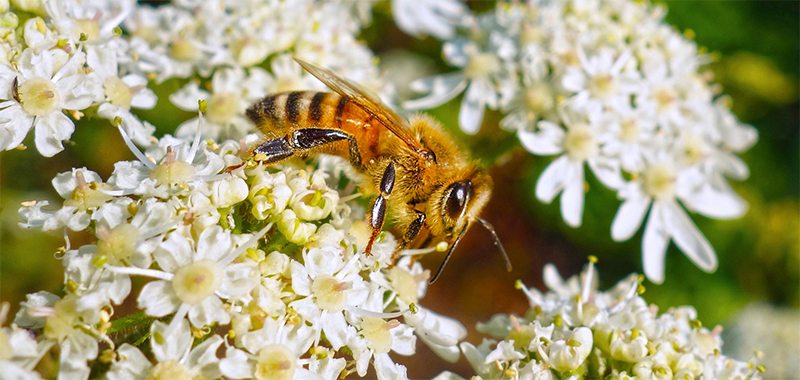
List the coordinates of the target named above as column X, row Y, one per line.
column 275, row 150
column 410, row 235
column 376, row 221
column 387, row 181
column 413, row 229
column 379, row 207
column 281, row 148
column 309, row 138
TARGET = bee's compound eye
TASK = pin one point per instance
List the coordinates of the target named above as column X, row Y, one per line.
column 457, row 197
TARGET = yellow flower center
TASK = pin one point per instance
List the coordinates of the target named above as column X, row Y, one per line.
column 376, row 331
column 659, row 181
column 118, row 92
column 39, row 96
column 63, row 319
column 330, row 293
column 183, row 50
column 223, row 107
column 629, row 131
column 405, row 284
column 87, row 195
column 169, row 370
column 481, row 65
column 666, row 98
column 275, row 362
column 539, row 98
column 197, row 281
column 522, row 336
column 603, row 85
column 172, row 171
column 117, row 244
column 580, row 142
column 694, row 149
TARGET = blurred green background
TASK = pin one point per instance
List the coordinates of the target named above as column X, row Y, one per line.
column 759, row 254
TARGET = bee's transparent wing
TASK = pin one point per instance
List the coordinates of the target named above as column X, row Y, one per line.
column 356, row 94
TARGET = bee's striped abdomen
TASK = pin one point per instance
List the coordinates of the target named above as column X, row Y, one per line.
column 304, row 108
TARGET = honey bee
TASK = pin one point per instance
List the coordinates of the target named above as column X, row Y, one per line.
column 417, row 172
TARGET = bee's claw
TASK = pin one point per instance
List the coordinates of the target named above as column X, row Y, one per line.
column 231, row 168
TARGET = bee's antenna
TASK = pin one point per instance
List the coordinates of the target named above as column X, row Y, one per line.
column 496, row 241
column 449, row 252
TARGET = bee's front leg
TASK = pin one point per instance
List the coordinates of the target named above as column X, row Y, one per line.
column 378, row 213
column 411, row 233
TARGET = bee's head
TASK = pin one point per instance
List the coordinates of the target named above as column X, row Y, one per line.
column 456, row 205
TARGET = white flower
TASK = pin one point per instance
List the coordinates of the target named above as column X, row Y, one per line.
column 274, row 361
column 85, row 199
column 580, row 143
column 437, row 18
column 633, row 85
column 571, row 351
column 484, row 75
column 601, row 79
column 19, row 350
column 233, row 91
column 46, row 84
column 120, row 93
column 194, row 278
column 661, row 185
column 329, row 285
column 67, row 326
column 175, row 357
column 573, row 326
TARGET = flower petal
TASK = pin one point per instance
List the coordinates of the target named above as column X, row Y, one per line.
column 14, row 126
column 716, row 203
column 629, row 217
column 546, row 141
column 386, row 369
column 607, row 171
column 440, row 89
column 213, row 243
column 208, row 312
column 688, row 238
column 473, row 106
column 158, row 299
column 187, row 97
column 204, row 357
column 552, row 180
column 176, row 342
column 235, row 364
column 573, row 196
column 79, row 91
column 50, row 131
column 654, row 244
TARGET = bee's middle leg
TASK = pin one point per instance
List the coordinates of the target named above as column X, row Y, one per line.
column 378, row 213
column 281, row 148
column 412, row 230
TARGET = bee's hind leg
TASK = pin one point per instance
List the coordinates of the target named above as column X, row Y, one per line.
column 278, row 149
column 378, row 213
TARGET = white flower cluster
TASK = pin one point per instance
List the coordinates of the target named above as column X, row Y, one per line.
column 63, row 59
column 263, row 264
column 59, row 58
column 611, row 85
column 576, row 332
column 224, row 48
